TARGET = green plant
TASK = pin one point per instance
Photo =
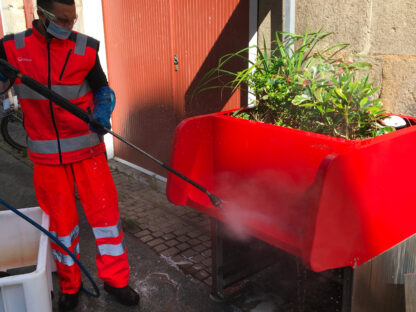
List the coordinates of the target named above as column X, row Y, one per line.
column 305, row 89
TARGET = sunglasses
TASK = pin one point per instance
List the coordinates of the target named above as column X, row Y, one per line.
column 58, row 20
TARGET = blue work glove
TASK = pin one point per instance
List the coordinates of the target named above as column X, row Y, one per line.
column 3, row 78
column 104, row 102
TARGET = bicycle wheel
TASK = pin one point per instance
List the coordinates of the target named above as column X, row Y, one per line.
column 13, row 131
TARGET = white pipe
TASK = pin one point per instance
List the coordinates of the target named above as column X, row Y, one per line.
column 252, row 53
column 289, row 18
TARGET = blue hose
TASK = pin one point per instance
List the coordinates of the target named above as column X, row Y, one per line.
column 40, row 228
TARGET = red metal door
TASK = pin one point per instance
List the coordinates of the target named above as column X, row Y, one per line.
column 203, row 32
column 153, row 95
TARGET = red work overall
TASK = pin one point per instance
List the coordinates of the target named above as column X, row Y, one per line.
column 66, row 153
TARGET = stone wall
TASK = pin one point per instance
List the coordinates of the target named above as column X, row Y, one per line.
column 385, row 31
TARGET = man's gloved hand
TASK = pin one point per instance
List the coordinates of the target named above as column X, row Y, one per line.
column 104, row 102
column 3, row 78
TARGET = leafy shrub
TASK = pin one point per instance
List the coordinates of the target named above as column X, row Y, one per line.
column 301, row 88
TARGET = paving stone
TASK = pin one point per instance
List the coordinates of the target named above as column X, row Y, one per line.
column 207, row 253
column 208, row 281
column 207, row 244
column 155, row 242
column 197, row 258
column 172, row 242
column 142, row 233
column 189, row 253
column 183, row 238
column 207, row 262
column 168, row 229
column 160, row 248
column 183, row 246
column 180, row 232
column 178, row 258
column 185, row 266
column 194, row 242
column 199, row 248
column 168, row 236
column 204, row 238
column 189, row 270
column 194, row 234
column 201, row 275
column 198, row 266
column 170, row 252
column 146, row 238
column 158, row 234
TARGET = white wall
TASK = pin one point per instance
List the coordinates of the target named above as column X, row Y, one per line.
column 94, row 26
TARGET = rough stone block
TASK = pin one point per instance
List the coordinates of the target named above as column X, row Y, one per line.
column 393, row 27
column 348, row 20
column 399, row 87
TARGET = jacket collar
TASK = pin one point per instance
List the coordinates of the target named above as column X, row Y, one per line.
column 44, row 39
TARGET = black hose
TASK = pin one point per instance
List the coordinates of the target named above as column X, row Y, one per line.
column 46, row 232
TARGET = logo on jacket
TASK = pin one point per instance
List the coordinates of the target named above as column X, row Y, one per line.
column 23, row 59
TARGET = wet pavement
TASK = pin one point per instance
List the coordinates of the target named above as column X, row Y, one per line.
column 169, row 251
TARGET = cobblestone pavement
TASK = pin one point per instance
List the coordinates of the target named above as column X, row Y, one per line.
column 180, row 234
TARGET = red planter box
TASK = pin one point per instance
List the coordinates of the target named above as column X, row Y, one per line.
column 330, row 201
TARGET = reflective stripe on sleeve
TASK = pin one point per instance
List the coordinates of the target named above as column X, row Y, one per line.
column 72, row 92
column 67, row 145
column 111, row 250
column 69, row 239
column 107, row 231
column 65, row 259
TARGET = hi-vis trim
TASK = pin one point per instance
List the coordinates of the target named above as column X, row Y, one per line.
column 65, row 259
column 69, row 239
column 111, row 250
column 69, row 92
column 81, row 44
column 19, row 40
column 67, row 145
column 107, row 231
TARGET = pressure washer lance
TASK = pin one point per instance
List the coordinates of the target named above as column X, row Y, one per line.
column 12, row 73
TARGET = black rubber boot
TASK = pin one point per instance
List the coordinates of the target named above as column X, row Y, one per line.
column 67, row 302
column 125, row 295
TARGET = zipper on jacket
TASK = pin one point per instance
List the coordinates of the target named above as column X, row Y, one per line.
column 50, row 102
column 66, row 62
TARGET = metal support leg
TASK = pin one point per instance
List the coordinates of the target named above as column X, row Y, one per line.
column 347, row 289
column 217, row 288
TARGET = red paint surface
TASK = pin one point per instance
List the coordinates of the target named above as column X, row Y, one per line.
column 330, row 201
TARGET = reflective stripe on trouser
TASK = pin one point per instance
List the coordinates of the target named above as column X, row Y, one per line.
column 55, row 192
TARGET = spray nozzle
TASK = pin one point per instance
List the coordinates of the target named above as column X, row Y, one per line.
column 215, row 200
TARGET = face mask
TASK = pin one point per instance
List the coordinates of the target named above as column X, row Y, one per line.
column 57, row 31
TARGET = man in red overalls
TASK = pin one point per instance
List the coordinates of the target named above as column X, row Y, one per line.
column 65, row 151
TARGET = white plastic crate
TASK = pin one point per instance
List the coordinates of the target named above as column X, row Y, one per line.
column 22, row 245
